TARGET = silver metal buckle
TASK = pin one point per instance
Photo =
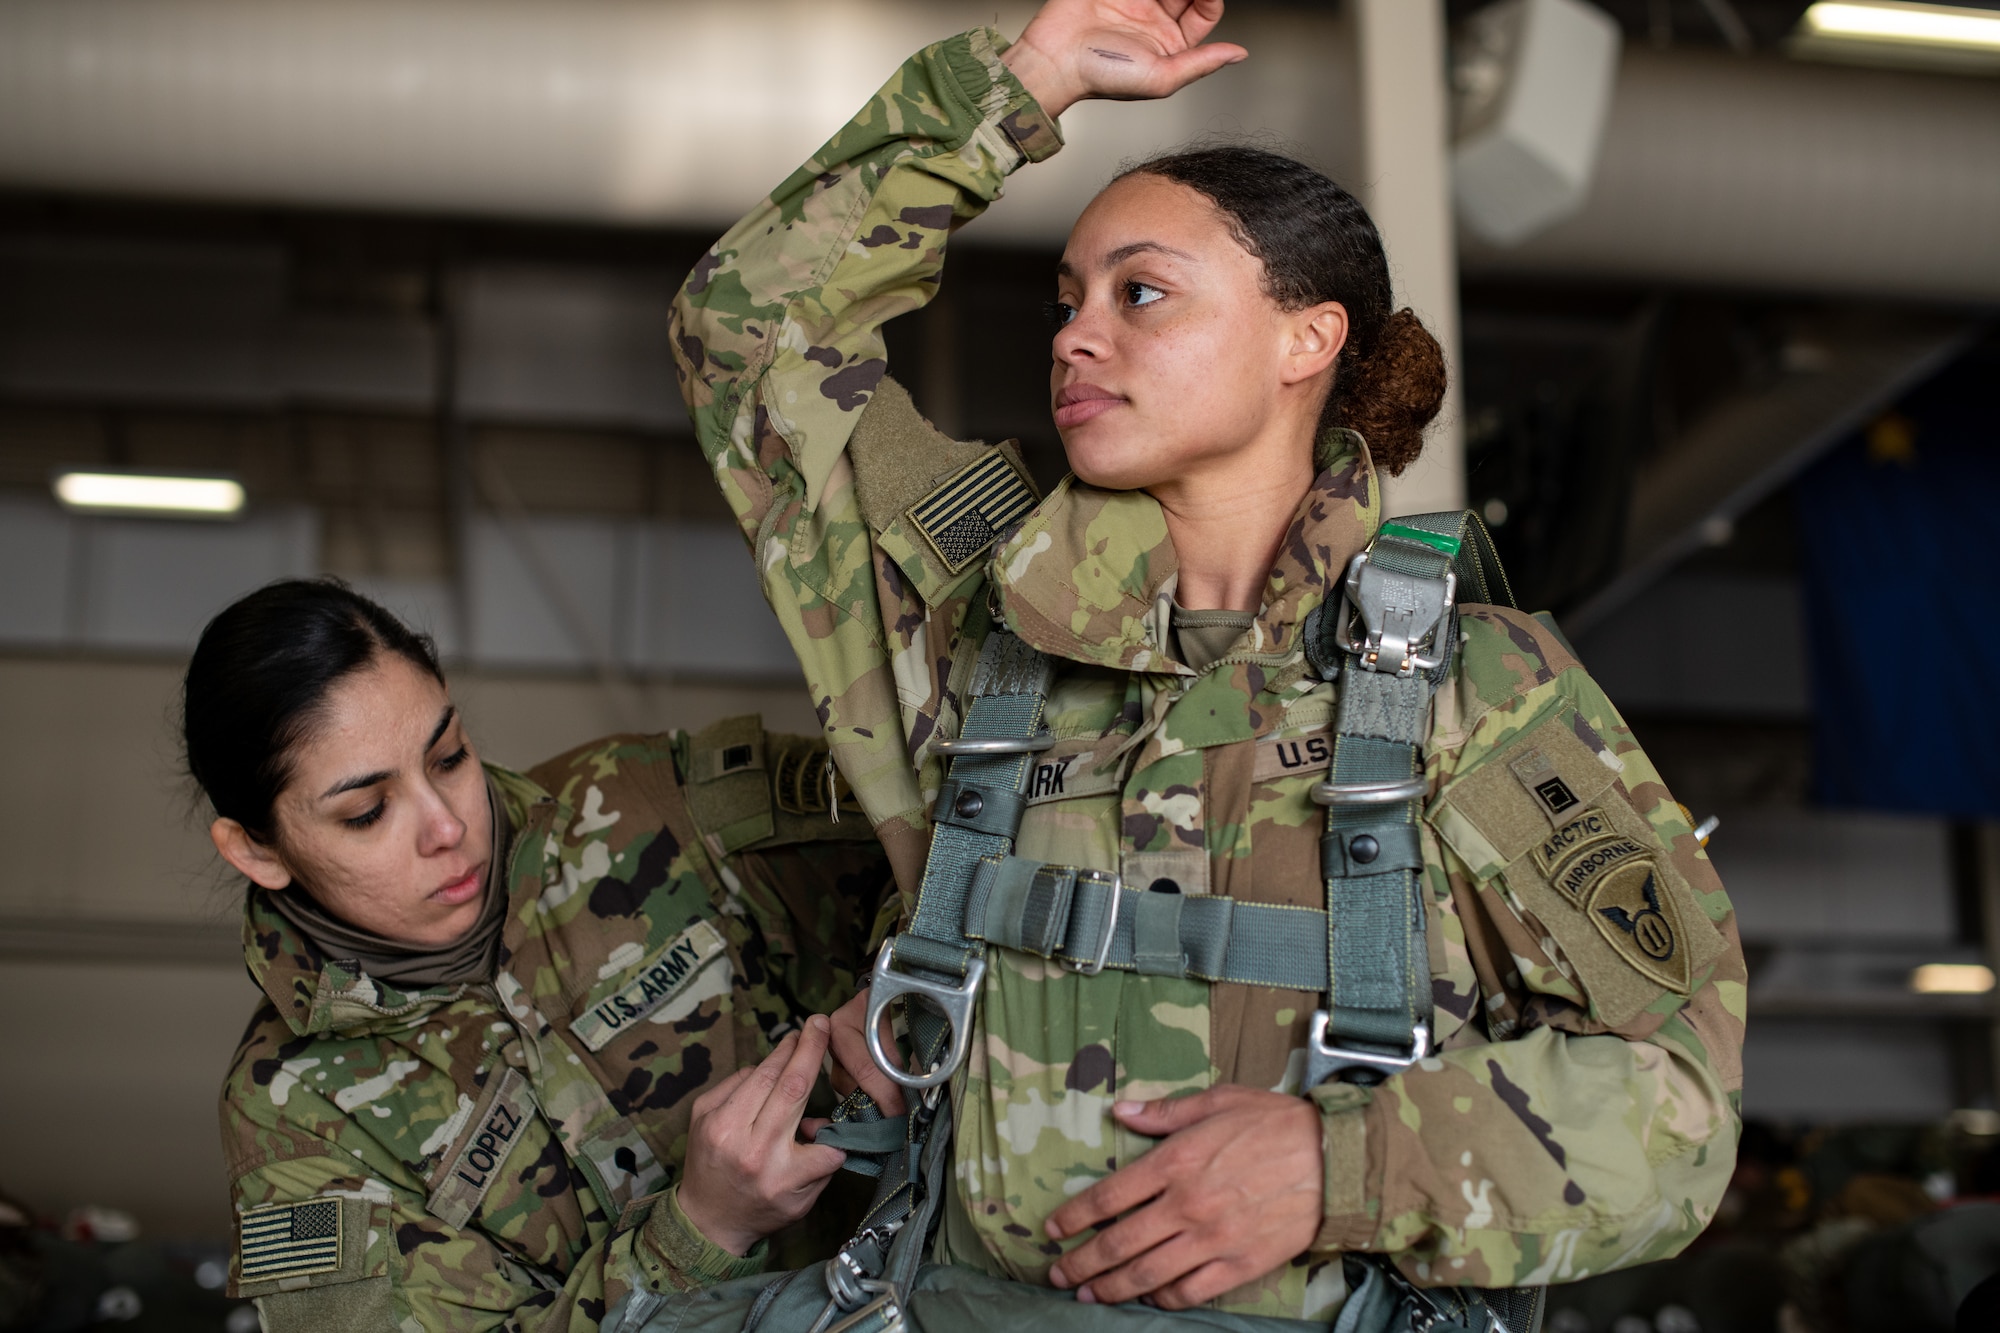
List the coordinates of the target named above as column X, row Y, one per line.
column 1370, row 793
column 1115, row 887
column 1322, row 1055
column 978, row 747
column 1399, row 616
column 955, row 1002
column 886, row 1305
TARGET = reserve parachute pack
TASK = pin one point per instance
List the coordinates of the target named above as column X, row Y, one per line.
column 1388, row 642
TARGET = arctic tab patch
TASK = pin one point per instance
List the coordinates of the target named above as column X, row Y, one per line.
column 654, row 982
column 496, row 1127
column 289, row 1240
column 963, row 517
column 1589, row 825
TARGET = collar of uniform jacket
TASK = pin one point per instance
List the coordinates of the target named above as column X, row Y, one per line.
column 313, row 993
column 1090, row 576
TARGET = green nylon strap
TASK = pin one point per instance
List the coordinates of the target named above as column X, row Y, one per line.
column 1049, row 911
column 1378, row 977
column 1009, row 689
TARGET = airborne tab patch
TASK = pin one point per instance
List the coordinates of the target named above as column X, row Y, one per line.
column 288, row 1240
column 964, row 517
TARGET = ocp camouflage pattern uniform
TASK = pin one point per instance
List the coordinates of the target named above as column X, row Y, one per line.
column 1583, row 1113
column 478, row 1156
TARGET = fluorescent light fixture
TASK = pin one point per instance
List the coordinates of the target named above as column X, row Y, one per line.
column 1889, row 32
column 152, row 494
column 1887, row 21
column 1952, row 979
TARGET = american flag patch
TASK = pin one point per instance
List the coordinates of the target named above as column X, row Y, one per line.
column 291, row 1240
column 962, row 518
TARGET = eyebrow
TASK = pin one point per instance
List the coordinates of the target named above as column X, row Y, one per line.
column 1125, row 252
column 370, row 779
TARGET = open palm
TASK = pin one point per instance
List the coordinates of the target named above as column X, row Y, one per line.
column 1126, row 50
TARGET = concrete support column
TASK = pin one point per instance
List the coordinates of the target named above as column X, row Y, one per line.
column 1405, row 126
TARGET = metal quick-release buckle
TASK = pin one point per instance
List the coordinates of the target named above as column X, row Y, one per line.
column 1323, row 1058
column 955, row 1002
column 1399, row 617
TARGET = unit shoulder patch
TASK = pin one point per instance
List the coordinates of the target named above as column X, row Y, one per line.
column 654, row 982
column 964, row 517
column 1641, row 922
column 1645, row 934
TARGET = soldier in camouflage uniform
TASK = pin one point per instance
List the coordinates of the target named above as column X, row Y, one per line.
column 510, row 1151
column 1582, row 1109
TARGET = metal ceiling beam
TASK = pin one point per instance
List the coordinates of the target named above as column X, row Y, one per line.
column 1839, row 374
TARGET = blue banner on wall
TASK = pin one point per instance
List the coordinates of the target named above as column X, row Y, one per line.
column 1899, row 533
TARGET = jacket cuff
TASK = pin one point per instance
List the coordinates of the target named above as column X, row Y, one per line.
column 996, row 98
column 678, row 1256
column 1347, row 1219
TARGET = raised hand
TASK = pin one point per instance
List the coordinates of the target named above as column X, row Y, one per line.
column 1125, row 50
column 747, row 1173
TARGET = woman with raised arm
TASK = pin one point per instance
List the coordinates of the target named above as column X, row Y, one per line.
column 530, row 1042
column 1143, row 1112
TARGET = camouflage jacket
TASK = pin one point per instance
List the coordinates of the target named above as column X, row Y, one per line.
column 1583, row 1111
column 498, row 1155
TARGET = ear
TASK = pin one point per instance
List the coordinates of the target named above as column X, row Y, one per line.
column 259, row 863
column 1314, row 338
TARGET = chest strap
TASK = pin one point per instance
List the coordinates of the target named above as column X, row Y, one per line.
column 977, row 813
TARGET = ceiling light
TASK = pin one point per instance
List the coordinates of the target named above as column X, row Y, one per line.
column 1952, row 979
column 152, row 494
column 1887, row 32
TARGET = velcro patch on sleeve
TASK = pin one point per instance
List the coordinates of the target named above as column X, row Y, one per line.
column 964, row 517
column 497, row 1124
column 284, row 1241
column 1603, row 886
column 654, row 982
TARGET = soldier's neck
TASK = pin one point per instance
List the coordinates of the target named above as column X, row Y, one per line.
column 1227, row 521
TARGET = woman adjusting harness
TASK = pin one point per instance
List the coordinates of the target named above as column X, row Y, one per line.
column 1289, row 895
column 530, row 1041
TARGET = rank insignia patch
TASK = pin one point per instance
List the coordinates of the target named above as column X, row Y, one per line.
column 1639, row 921
column 290, row 1240
column 963, row 517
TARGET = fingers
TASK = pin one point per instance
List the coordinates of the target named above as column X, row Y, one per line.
column 1165, row 1263
column 789, row 1083
column 850, row 1052
column 1116, row 1245
column 718, row 1094
column 1201, row 1286
column 1157, row 1119
column 1176, row 72
column 1120, row 1192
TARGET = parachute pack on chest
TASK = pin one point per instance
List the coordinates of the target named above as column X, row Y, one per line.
column 1387, row 642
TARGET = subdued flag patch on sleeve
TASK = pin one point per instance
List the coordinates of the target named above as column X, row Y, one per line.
column 289, row 1240
column 963, row 517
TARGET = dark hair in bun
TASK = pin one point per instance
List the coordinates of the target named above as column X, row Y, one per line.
column 1317, row 243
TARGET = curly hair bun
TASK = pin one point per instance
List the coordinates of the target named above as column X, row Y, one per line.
column 1393, row 390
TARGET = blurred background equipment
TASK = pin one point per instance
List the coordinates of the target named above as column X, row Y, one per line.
column 1532, row 86
column 398, row 270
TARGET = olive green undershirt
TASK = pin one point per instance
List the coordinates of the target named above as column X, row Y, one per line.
column 1201, row 638
column 472, row 957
